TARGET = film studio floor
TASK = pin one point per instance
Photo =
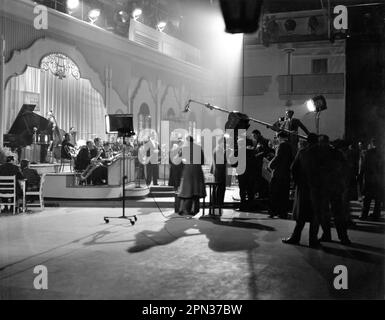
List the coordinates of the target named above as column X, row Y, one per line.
column 165, row 256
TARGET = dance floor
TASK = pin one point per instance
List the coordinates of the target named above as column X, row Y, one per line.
column 164, row 256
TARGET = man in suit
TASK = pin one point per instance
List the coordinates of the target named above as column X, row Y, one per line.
column 291, row 124
column 83, row 158
column 302, row 210
column 280, row 180
column 32, row 176
column 153, row 152
column 372, row 171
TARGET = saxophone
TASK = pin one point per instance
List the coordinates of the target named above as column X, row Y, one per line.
column 95, row 163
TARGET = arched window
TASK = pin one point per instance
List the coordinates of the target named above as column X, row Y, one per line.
column 60, row 65
column 170, row 116
column 144, row 117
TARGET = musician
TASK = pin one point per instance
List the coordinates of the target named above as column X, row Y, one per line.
column 153, row 151
column 72, row 134
column 83, row 158
column 32, row 176
column 291, row 124
column 176, row 164
column 99, row 174
column 65, row 147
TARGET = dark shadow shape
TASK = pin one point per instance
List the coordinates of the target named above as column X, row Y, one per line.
column 355, row 255
column 240, row 224
column 372, row 228
column 368, row 248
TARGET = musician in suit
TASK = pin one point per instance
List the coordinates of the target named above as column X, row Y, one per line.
column 83, row 158
column 32, row 176
column 280, row 180
column 153, row 152
column 291, row 124
column 99, row 174
column 65, row 147
column 72, row 134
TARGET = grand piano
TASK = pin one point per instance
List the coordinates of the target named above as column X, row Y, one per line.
column 21, row 132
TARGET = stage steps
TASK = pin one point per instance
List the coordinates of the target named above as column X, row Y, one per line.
column 161, row 191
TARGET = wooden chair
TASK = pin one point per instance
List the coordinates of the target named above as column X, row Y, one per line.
column 38, row 193
column 8, row 190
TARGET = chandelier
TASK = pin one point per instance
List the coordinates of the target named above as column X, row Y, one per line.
column 60, row 65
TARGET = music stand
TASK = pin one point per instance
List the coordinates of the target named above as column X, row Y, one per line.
column 121, row 124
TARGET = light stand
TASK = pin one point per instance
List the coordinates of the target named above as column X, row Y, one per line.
column 132, row 218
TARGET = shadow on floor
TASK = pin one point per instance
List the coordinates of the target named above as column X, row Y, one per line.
column 230, row 236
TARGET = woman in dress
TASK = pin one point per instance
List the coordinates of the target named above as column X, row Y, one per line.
column 192, row 185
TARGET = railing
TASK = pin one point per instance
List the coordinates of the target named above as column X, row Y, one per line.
column 308, row 84
column 138, row 33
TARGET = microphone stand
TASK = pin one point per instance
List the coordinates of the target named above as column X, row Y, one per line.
column 268, row 125
column 132, row 218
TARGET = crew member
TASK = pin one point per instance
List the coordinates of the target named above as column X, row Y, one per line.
column 291, row 124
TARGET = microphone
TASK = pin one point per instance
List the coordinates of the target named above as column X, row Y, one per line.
column 187, row 107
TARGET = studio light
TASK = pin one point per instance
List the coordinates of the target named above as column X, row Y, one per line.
column 241, row 16
column 316, row 104
column 136, row 13
column 72, row 4
column 93, row 15
column 161, row 25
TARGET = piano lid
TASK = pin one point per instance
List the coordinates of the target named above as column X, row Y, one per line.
column 26, row 119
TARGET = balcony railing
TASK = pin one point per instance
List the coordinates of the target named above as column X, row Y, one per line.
column 311, row 84
column 137, row 32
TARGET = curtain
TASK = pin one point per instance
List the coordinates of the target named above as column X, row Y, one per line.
column 75, row 103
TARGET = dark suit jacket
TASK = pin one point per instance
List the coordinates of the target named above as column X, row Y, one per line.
column 280, row 164
column 33, row 179
column 83, row 159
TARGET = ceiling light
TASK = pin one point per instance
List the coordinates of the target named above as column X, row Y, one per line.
column 93, row 15
column 161, row 25
column 72, row 4
column 136, row 13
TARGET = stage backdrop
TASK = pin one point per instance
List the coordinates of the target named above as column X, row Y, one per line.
column 74, row 102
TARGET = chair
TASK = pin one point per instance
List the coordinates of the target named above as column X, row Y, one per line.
column 8, row 190
column 63, row 161
column 37, row 193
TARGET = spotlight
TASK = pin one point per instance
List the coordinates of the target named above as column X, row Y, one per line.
column 316, row 104
column 136, row 13
column 241, row 16
column 93, row 15
column 161, row 25
column 72, row 4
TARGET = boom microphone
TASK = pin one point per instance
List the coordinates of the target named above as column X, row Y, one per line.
column 187, row 107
